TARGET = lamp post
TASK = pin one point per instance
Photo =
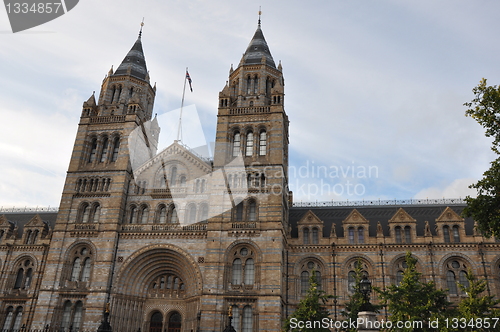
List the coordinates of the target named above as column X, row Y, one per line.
column 365, row 287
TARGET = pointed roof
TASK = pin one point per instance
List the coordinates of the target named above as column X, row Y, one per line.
column 257, row 49
column 134, row 61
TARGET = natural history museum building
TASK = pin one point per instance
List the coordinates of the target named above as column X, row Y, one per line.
column 170, row 240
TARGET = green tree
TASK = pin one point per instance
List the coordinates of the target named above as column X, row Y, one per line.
column 476, row 306
column 414, row 300
column 485, row 208
column 357, row 301
column 310, row 309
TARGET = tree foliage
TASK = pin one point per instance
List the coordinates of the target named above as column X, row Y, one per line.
column 485, row 208
column 414, row 300
column 311, row 308
column 475, row 305
column 357, row 301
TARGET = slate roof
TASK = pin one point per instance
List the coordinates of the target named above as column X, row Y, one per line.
column 257, row 49
column 135, row 61
column 335, row 215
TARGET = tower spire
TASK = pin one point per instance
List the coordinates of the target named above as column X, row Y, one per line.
column 140, row 31
column 260, row 13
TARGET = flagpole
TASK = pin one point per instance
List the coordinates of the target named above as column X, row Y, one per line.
column 179, row 130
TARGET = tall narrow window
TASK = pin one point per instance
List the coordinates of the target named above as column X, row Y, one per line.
column 247, row 325
column 304, row 282
column 173, row 176
column 66, row 317
column 456, row 234
column 77, row 317
column 29, row 276
column 236, row 143
column 252, row 211
column 144, row 215
column 462, row 277
column 18, row 319
column 93, row 150
column 133, row 214
column 397, row 230
column 407, row 234
column 452, row 285
column 446, row 234
column 305, row 233
column 315, row 238
column 239, row 212
column 19, row 279
column 399, row 277
column 204, row 212
column 8, row 319
column 249, row 85
column 86, row 269
column 96, row 213
column 236, row 279
column 351, row 234
column 249, row 272
column 192, row 214
column 255, row 85
column 361, row 235
column 75, row 272
column 173, row 217
column 116, row 149
column 104, row 152
column 249, row 147
column 162, row 218
column 263, row 143
column 236, row 318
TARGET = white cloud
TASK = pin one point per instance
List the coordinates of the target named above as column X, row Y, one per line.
column 459, row 188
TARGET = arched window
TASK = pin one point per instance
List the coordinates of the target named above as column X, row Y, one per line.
column 27, row 237
column 156, row 323
column 204, row 212
column 305, row 233
column 143, row 214
column 351, row 275
column 249, row 272
column 34, row 236
column 66, row 317
column 85, row 213
column 77, row 316
column 351, row 234
column 133, row 214
column 407, row 234
column 456, row 234
column 315, row 238
column 81, row 265
column 249, row 85
column 8, row 319
column 252, row 211
column 18, row 317
column 191, row 218
column 239, row 212
column 93, row 150
column 446, row 234
column 255, row 84
column 262, row 143
column 249, row 146
column 400, row 268
column 243, row 267
column 173, row 215
column 236, row 143
column 236, row 318
column 162, row 214
column 247, row 325
column 173, row 176
column 116, row 149
column 183, row 181
column 304, row 282
column 236, row 279
column 397, row 230
column 19, row 279
column 456, row 268
column 361, row 235
column 104, row 151
column 95, row 213
column 29, row 277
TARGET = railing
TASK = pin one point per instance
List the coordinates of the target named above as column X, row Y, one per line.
column 26, row 209
column 250, row 110
column 163, row 227
column 389, row 202
column 107, row 119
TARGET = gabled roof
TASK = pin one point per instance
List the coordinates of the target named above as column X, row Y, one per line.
column 257, row 49
column 134, row 62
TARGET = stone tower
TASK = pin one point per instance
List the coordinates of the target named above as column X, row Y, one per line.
column 94, row 196
column 252, row 123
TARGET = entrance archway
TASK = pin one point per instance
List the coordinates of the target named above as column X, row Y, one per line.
column 156, row 323
column 175, row 322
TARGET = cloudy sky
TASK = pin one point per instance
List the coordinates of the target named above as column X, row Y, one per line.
column 374, row 89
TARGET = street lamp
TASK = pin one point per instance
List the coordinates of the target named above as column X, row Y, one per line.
column 365, row 287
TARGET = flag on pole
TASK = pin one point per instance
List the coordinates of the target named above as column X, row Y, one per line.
column 189, row 80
